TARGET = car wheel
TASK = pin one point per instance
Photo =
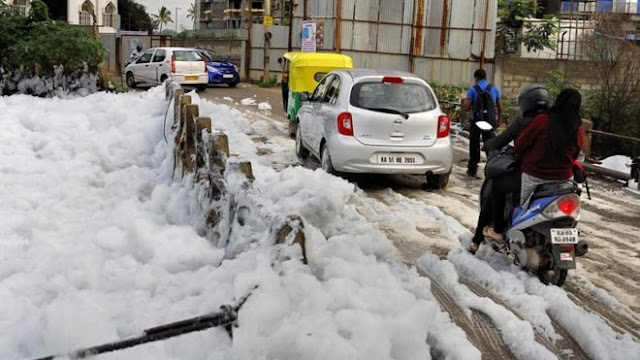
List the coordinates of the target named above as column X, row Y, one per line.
column 201, row 87
column 325, row 161
column 233, row 84
column 301, row 151
column 163, row 78
column 438, row 181
column 131, row 81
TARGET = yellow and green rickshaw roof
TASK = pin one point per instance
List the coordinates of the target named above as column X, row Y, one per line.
column 307, row 68
column 316, row 59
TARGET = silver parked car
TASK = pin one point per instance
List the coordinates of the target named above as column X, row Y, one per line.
column 367, row 121
column 185, row 66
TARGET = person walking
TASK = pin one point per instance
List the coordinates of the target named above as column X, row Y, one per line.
column 483, row 99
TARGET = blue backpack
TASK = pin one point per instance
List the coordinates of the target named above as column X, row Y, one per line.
column 484, row 108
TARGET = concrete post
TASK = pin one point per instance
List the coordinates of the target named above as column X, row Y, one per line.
column 588, row 126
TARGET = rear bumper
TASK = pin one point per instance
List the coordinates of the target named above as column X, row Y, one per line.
column 350, row 156
column 220, row 79
column 185, row 79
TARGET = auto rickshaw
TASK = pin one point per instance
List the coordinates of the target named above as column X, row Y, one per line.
column 301, row 72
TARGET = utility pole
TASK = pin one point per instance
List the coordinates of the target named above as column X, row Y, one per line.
column 305, row 10
column 289, row 46
column 247, row 48
column 267, row 39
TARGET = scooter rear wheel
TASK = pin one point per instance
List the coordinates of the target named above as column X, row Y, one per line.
column 552, row 276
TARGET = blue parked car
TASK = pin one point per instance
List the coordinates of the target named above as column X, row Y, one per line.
column 220, row 70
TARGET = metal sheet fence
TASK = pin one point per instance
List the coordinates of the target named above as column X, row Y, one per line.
column 439, row 40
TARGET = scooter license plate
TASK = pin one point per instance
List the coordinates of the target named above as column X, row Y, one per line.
column 564, row 236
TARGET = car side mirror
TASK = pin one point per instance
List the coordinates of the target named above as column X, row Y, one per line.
column 304, row 96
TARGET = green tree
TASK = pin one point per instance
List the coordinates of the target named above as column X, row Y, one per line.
column 133, row 16
column 515, row 27
column 191, row 13
column 163, row 17
column 35, row 45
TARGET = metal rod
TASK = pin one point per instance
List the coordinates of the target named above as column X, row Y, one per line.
column 443, row 27
column 615, row 136
column 226, row 317
column 247, row 53
column 413, row 38
column 305, row 9
column 289, row 46
column 487, row 61
column 338, row 41
column 484, row 36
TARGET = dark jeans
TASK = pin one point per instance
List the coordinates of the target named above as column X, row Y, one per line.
column 502, row 186
column 474, row 146
column 493, row 202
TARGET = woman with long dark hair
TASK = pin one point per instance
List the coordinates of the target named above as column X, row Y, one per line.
column 549, row 146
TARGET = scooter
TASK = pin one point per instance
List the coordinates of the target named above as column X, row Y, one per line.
column 543, row 239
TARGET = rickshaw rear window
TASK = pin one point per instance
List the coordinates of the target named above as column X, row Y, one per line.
column 318, row 76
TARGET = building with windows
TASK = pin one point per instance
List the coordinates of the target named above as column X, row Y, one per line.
column 78, row 12
column 230, row 14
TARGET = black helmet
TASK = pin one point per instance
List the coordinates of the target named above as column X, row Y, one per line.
column 533, row 98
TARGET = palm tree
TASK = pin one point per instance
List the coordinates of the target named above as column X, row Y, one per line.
column 191, row 13
column 163, row 17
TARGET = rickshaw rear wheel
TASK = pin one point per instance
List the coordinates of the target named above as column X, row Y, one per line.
column 292, row 128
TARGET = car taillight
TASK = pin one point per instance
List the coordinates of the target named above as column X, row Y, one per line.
column 565, row 205
column 443, row 126
column 173, row 63
column 345, row 124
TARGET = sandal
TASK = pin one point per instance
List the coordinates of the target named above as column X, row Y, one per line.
column 489, row 232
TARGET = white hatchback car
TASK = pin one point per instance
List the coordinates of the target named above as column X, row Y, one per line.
column 185, row 66
column 368, row 121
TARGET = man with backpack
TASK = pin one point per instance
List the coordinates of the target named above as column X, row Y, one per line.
column 483, row 99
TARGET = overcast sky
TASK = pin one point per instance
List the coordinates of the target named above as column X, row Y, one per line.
column 183, row 5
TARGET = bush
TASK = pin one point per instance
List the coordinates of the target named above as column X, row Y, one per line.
column 36, row 46
column 270, row 82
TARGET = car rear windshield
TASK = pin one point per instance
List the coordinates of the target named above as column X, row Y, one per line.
column 211, row 56
column 404, row 98
column 182, row 55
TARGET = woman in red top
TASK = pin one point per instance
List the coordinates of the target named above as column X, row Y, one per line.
column 547, row 148
column 549, row 145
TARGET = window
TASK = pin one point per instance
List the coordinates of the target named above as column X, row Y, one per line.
column 146, row 57
column 408, row 98
column 85, row 17
column 334, row 90
column 182, row 55
column 159, row 56
column 20, row 6
column 109, row 15
column 321, row 89
column 318, row 76
column 209, row 55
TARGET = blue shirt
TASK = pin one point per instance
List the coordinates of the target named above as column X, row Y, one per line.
column 472, row 94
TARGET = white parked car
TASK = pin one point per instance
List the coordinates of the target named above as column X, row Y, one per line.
column 185, row 66
column 368, row 121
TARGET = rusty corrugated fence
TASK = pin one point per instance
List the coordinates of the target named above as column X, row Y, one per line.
column 439, row 40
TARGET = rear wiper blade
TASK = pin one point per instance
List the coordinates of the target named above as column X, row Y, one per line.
column 390, row 111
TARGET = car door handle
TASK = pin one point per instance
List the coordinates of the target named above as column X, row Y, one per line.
column 146, row 66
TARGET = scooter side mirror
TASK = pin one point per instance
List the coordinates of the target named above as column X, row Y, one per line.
column 484, row 126
column 304, row 96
